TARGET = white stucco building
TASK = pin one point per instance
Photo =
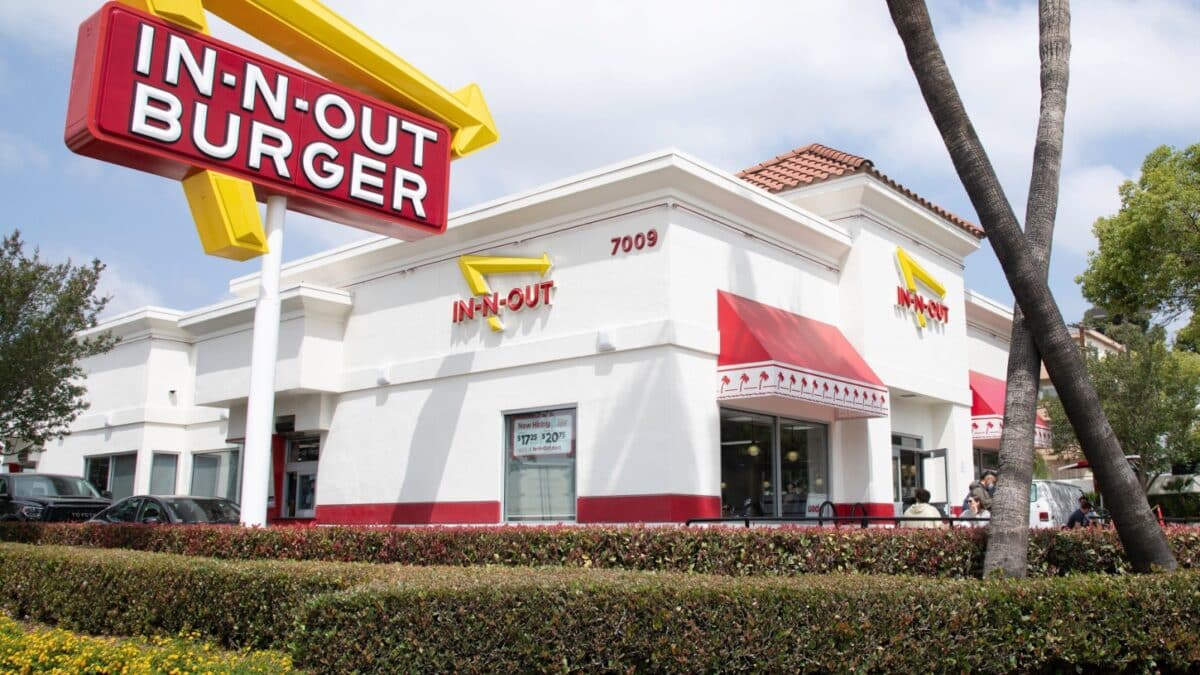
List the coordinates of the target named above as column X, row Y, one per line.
column 700, row 343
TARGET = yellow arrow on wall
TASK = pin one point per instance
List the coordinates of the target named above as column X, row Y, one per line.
column 473, row 268
column 912, row 273
column 224, row 207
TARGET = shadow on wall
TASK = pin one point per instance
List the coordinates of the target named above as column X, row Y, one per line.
column 436, row 423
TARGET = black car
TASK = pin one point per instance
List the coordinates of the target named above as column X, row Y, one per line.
column 48, row 498
column 175, row 509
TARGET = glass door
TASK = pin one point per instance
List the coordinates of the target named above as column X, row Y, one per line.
column 300, row 477
column 907, row 471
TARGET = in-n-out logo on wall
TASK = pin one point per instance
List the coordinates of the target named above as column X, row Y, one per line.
column 489, row 304
column 908, row 297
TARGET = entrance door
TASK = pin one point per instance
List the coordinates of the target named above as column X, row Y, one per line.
column 908, row 471
column 300, row 477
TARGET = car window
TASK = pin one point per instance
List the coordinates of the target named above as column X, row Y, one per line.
column 151, row 511
column 35, row 485
column 124, row 511
column 203, row 510
column 3, row 487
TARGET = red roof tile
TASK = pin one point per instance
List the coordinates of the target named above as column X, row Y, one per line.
column 815, row 163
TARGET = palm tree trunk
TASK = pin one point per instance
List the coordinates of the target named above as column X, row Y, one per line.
column 1143, row 540
column 1008, row 539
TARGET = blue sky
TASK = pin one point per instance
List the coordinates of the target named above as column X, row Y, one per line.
column 575, row 86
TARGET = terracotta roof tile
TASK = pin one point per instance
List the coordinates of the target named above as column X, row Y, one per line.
column 815, row 163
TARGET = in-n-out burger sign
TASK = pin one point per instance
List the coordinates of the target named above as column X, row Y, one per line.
column 908, row 297
column 179, row 100
column 488, row 304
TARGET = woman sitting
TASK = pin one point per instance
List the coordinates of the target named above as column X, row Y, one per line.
column 975, row 510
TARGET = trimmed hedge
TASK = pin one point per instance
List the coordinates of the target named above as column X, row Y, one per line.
column 954, row 553
column 338, row 617
column 513, row 620
column 238, row 604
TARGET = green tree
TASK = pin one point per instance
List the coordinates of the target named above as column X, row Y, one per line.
column 1023, row 263
column 1149, row 252
column 43, row 307
column 1150, row 394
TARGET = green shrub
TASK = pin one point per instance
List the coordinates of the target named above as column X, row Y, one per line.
column 786, row 551
column 538, row 620
column 1179, row 505
column 238, row 604
column 339, row 617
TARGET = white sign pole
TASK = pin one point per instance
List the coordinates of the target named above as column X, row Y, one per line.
column 260, row 406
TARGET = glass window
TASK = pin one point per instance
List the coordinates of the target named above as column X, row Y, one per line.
column 123, row 512
column 307, row 449
column 151, row 512
column 540, row 465
column 748, row 483
column 217, row 474
column 97, row 471
column 121, row 482
column 202, row 510
column 162, row 473
column 113, row 473
column 803, row 467
column 38, row 485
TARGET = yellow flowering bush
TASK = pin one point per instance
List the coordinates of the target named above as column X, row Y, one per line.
column 52, row 650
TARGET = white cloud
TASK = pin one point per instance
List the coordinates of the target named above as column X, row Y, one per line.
column 1086, row 194
column 127, row 293
column 44, row 26
column 18, row 153
column 304, row 234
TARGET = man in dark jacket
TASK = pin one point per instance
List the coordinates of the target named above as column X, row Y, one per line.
column 983, row 488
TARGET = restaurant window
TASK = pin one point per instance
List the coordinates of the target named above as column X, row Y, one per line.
column 163, row 468
column 772, row 466
column 217, row 474
column 113, row 473
column 539, row 452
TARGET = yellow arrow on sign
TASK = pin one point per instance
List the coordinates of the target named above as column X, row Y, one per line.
column 314, row 35
column 223, row 206
column 473, row 268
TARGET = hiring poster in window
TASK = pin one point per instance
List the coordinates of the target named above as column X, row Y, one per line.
column 543, row 434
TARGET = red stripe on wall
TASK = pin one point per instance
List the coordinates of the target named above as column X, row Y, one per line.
column 646, row 508
column 873, row 509
column 410, row 513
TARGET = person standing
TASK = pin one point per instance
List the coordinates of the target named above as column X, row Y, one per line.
column 922, row 509
column 983, row 488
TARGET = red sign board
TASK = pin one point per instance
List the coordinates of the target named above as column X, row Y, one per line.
column 150, row 95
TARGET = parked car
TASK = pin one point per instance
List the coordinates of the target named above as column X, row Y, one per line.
column 48, row 497
column 1052, row 502
column 174, row 509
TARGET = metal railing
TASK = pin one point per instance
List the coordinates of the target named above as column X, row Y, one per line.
column 861, row 518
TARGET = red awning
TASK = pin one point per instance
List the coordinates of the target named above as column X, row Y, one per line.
column 766, row 351
column 987, row 411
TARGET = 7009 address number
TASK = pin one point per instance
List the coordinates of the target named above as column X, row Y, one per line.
column 637, row 242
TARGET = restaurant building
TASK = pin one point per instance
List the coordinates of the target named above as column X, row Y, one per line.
column 650, row 342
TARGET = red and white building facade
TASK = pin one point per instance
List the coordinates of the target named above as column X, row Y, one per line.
column 650, row 342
